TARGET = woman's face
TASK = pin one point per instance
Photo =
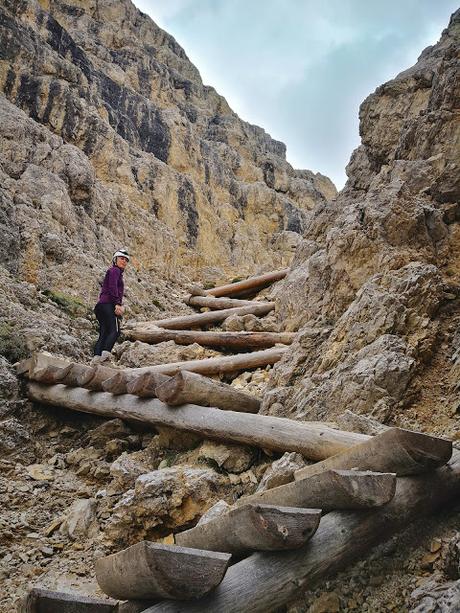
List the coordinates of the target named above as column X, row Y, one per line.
column 121, row 262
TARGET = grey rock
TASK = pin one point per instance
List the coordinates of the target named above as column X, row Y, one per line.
column 433, row 597
column 80, row 518
column 281, row 471
column 220, row 508
column 13, row 435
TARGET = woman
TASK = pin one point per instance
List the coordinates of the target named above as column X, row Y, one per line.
column 109, row 308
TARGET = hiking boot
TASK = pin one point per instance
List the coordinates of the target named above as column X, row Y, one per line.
column 106, row 356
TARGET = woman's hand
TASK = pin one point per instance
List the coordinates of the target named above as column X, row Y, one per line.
column 119, row 310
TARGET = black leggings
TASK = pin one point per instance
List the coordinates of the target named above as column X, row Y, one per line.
column 109, row 327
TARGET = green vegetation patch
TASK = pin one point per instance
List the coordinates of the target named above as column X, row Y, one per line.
column 71, row 305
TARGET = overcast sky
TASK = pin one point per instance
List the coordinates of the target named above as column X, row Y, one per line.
column 301, row 68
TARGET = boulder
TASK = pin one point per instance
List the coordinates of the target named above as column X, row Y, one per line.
column 231, row 458
column 162, row 501
column 80, row 519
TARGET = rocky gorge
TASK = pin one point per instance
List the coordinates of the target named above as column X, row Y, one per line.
column 109, row 137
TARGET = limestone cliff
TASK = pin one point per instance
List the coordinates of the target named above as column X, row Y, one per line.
column 127, row 146
column 375, row 284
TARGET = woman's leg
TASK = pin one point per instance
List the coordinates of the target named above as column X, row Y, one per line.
column 113, row 334
column 108, row 328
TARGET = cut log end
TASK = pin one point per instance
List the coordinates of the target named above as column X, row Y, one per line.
column 150, row 570
column 396, row 450
column 39, row 600
column 331, row 490
column 254, row 527
column 145, row 385
column 189, row 387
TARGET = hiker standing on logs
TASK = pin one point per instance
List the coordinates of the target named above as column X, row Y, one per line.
column 109, row 309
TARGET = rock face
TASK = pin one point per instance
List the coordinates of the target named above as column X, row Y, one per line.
column 111, row 138
column 375, row 283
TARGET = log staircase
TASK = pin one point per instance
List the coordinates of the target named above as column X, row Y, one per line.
column 360, row 490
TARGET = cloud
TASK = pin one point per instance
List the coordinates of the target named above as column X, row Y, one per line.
column 301, row 68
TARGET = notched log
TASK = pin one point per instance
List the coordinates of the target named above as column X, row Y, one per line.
column 149, row 570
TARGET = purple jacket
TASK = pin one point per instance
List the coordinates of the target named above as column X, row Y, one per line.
column 113, row 287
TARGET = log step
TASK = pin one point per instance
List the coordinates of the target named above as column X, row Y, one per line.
column 45, row 601
column 255, row 284
column 199, row 320
column 145, row 385
column 331, row 490
column 267, row 581
column 314, row 441
column 396, row 450
column 150, row 570
column 93, row 377
column 49, row 374
column 254, row 527
column 228, row 340
column 216, row 303
column 189, row 387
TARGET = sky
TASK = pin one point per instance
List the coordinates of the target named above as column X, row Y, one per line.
column 301, row 68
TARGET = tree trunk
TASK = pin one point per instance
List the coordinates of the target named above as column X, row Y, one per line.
column 149, row 570
column 78, row 375
column 265, row 582
column 330, row 490
column 253, row 283
column 215, row 366
column 398, row 451
column 280, row 434
column 145, row 385
column 118, row 384
column 39, row 600
column 50, row 374
column 228, row 340
column 100, row 374
column 198, row 320
column 189, row 387
column 41, row 360
column 93, row 377
column 253, row 527
column 217, row 303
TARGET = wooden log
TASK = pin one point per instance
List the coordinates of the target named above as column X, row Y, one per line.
column 229, row 340
column 209, row 366
column 150, row 570
column 119, row 382
column 189, row 387
column 134, row 606
column 331, row 490
column 266, row 581
column 50, row 374
column 196, row 290
column 23, row 366
column 398, row 451
column 78, row 375
column 39, row 600
column 253, row 283
column 145, row 385
column 40, row 360
column 276, row 433
column 216, row 303
column 215, row 366
column 198, row 320
column 100, row 374
column 253, row 527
